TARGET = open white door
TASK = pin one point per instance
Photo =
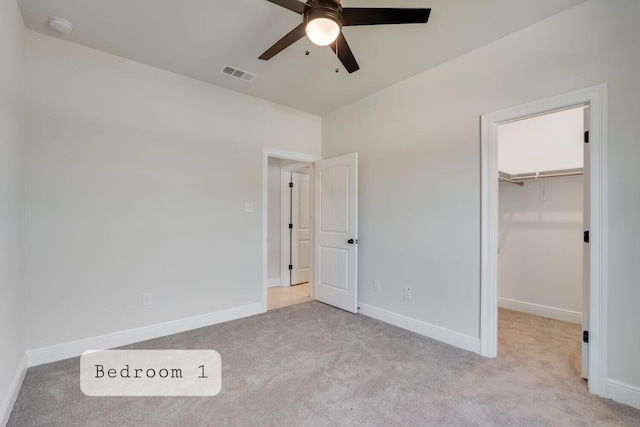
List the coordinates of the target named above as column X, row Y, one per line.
column 586, row 253
column 336, row 225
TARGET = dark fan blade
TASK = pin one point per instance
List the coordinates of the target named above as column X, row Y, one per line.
column 293, row 5
column 345, row 55
column 294, row 35
column 377, row 16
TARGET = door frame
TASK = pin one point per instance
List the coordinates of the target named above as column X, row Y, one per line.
column 281, row 154
column 285, row 200
column 596, row 98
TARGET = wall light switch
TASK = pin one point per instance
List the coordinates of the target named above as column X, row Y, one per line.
column 376, row 285
column 407, row 293
column 248, row 207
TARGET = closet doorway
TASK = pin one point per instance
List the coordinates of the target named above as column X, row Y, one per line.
column 595, row 312
column 542, row 215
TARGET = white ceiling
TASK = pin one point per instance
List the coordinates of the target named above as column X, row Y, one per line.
column 196, row 38
column 551, row 142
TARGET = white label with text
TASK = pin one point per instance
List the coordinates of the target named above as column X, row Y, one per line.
column 151, row 372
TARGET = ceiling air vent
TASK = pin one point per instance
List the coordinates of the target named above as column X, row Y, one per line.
column 237, row 73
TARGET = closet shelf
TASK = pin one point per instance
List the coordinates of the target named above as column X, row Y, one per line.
column 519, row 178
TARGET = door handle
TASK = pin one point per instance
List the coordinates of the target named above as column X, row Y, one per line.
column 351, row 241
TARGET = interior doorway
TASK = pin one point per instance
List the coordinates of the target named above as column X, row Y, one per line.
column 543, row 211
column 333, row 272
column 289, row 206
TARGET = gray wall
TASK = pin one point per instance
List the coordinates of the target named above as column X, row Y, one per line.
column 12, row 329
column 541, row 247
column 419, row 145
column 136, row 182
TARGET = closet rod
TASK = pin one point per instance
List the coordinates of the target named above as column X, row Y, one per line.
column 510, row 181
column 549, row 175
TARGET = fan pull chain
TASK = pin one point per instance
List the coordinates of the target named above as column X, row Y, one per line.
column 306, row 46
column 337, row 69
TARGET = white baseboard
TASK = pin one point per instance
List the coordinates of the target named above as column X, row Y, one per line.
column 623, row 393
column 62, row 351
column 272, row 283
column 12, row 393
column 447, row 336
column 541, row 310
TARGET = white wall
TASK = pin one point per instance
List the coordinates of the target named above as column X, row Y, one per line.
column 419, row 148
column 136, row 182
column 12, row 327
column 541, row 247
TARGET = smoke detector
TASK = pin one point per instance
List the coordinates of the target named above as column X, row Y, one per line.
column 60, row 24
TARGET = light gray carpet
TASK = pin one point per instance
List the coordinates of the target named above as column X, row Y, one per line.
column 313, row 365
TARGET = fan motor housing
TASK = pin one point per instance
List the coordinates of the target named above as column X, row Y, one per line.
column 318, row 9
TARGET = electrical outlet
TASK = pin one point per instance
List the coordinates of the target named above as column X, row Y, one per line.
column 146, row 298
column 249, row 207
column 376, row 285
column 407, row 293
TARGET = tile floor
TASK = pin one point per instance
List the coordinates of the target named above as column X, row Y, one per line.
column 282, row 296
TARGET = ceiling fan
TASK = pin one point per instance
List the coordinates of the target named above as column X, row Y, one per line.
column 323, row 21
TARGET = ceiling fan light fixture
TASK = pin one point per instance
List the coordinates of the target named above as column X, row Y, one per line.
column 323, row 20
column 322, row 31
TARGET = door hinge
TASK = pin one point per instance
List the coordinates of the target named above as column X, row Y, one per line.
column 290, row 266
column 291, row 226
column 586, row 137
column 291, row 185
column 586, row 236
column 585, row 337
